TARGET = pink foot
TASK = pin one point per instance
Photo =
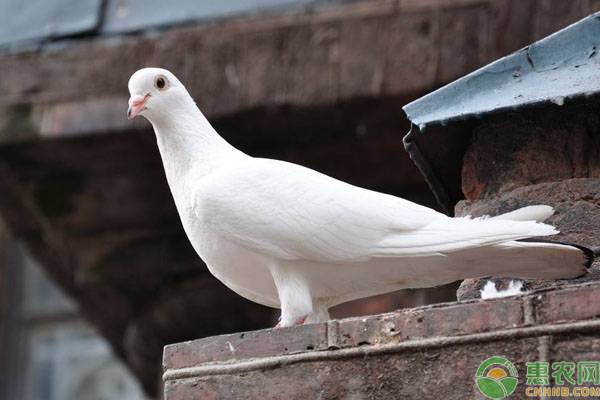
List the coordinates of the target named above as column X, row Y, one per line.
column 299, row 321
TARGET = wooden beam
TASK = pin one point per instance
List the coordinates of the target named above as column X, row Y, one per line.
column 364, row 49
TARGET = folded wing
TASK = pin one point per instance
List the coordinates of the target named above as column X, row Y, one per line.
column 290, row 212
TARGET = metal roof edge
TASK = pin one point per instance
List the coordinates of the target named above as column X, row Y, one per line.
column 426, row 110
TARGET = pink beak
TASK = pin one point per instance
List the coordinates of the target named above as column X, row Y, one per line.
column 137, row 104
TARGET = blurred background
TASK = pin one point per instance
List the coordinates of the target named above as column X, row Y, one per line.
column 96, row 274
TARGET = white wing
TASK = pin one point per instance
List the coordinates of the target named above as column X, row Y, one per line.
column 294, row 213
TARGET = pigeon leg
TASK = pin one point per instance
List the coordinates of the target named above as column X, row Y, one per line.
column 294, row 295
column 320, row 313
column 299, row 321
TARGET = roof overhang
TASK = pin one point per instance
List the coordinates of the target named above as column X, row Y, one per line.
column 560, row 70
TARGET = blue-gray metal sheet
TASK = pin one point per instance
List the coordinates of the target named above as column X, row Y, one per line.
column 134, row 15
column 23, row 21
column 555, row 69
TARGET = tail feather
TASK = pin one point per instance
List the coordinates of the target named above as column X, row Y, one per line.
column 533, row 257
column 450, row 235
column 528, row 259
column 538, row 213
column 590, row 254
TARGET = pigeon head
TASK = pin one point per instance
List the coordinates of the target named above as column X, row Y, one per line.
column 154, row 93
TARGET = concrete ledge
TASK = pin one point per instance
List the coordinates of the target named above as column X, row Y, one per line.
column 412, row 353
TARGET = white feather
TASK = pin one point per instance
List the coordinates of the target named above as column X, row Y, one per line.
column 287, row 236
column 538, row 213
column 489, row 291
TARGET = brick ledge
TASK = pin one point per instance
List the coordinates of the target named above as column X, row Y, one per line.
column 429, row 343
column 413, row 353
column 571, row 309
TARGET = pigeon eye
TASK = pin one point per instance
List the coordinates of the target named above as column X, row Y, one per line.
column 160, row 83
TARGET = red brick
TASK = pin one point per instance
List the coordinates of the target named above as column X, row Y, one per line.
column 407, row 375
column 574, row 304
column 240, row 346
column 431, row 321
column 416, row 353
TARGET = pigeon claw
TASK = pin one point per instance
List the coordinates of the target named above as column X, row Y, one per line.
column 299, row 321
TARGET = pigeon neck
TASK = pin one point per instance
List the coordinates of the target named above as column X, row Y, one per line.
column 188, row 141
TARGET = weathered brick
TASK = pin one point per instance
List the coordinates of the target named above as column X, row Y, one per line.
column 433, row 321
column 239, row 346
column 406, row 375
column 576, row 347
column 510, row 152
column 413, row 353
column 578, row 303
column 575, row 202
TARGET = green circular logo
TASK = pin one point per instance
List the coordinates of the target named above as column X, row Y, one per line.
column 496, row 378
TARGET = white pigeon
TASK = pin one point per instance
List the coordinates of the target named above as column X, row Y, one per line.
column 289, row 237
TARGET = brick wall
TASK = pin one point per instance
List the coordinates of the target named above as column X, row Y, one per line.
column 417, row 353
